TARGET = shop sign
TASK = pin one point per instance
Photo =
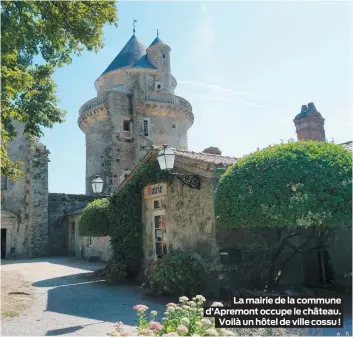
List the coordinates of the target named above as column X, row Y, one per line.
column 155, row 191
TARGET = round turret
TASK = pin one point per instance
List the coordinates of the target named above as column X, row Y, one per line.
column 158, row 54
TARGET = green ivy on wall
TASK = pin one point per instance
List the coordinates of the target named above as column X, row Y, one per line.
column 126, row 224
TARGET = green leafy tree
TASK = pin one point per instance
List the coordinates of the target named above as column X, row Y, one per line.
column 288, row 187
column 36, row 38
column 94, row 220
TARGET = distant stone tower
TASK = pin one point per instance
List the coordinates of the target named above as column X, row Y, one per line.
column 310, row 124
column 135, row 107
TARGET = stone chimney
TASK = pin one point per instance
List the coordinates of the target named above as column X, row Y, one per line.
column 212, row 150
column 310, row 124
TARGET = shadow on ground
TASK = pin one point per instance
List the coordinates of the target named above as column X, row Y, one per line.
column 63, row 261
column 71, row 329
column 84, row 296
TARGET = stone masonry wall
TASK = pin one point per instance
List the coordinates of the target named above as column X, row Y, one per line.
column 58, row 205
column 27, row 198
column 190, row 224
column 38, row 207
column 190, row 218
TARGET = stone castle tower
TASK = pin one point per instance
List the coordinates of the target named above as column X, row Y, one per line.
column 135, row 107
column 310, row 124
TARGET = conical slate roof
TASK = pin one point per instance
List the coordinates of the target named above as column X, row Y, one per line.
column 157, row 40
column 132, row 52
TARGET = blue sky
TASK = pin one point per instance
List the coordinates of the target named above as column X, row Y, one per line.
column 246, row 68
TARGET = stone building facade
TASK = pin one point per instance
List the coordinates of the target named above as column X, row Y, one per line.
column 24, row 204
column 135, row 107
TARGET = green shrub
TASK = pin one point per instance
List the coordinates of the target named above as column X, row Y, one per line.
column 94, row 220
column 177, row 273
column 298, row 184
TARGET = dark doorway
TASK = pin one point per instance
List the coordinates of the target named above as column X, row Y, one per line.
column 3, row 243
column 325, row 266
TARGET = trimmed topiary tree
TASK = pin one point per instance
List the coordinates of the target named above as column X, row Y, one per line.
column 94, row 220
column 288, row 187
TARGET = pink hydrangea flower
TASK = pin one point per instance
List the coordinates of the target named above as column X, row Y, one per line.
column 182, row 329
column 171, row 305
column 156, row 325
column 146, row 332
column 140, row 307
column 206, row 321
column 211, row 332
column 119, row 324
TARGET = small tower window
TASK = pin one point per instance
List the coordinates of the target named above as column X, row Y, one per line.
column 164, row 56
column 173, row 126
column 126, row 126
column 158, row 85
column 146, row 127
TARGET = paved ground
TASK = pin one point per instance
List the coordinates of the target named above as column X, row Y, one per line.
column 68, row 302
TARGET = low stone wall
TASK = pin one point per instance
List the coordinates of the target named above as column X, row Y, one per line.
column 94, row 246
column 59, row 205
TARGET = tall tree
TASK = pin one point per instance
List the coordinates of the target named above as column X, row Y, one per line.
column 36, row 38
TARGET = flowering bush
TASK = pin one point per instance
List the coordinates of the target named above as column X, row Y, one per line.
column 182, row 319
column 177, row 273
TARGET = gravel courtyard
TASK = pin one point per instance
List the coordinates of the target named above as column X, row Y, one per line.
column 67, row 301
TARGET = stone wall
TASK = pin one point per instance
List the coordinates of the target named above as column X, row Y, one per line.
column 27, row 198
column 189, row 217
column 85, row 246
column 58, row 206
column 94, row 247
column 38, row 207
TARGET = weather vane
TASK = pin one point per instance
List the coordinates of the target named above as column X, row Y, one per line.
column 157, row 32
column 134, row 25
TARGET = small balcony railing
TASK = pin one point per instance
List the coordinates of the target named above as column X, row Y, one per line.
column 93, row 103
column 167, row 98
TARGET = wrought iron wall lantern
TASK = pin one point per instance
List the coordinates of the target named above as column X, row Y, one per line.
column 97, row 187
column 166, row 158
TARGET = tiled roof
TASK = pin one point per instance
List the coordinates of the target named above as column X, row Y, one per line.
column 347, row 145
column 214, row 159
column 202, row 156
column 129, row 55
column 156, row 41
